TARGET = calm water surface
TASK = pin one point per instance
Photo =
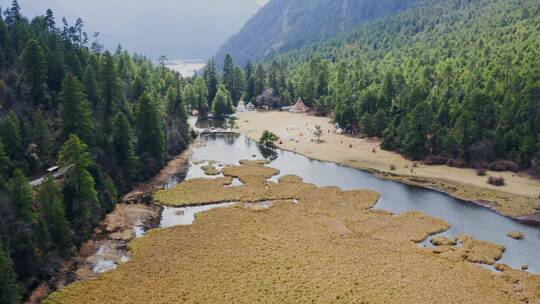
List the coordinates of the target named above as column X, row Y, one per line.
column 465, row 217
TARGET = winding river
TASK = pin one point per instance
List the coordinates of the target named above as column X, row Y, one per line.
column 465, row 217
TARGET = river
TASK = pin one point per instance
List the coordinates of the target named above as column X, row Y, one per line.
column 465, row 217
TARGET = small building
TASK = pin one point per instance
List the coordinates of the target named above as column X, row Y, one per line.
column 299, row 107
column 241, row 106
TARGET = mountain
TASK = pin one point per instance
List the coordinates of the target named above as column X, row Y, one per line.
column 283, row 25
column 448, row 81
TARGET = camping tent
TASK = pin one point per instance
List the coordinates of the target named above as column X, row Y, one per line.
column 299, row 107
column 241, row 107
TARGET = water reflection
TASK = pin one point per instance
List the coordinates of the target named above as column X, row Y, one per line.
column 465, row 217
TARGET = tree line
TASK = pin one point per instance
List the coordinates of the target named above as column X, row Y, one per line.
column 453, row 82
column 110, row 119
column 448, row 82
column 218, row 92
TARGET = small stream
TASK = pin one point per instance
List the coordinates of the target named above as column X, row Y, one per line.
column 465, row 217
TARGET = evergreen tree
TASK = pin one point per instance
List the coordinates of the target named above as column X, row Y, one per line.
column 22, row 245
column 151, row 141
column 10, row 291
column 5, row 165
column 259, row 81
column 201, row 93
column 41, row 136
column 228, row 73
column 74, row 110
column 250, row 82
column 233, row 79
column 420, row 126
column 10, row 134
column 139, row 87
column 53, row 214
column 111, row 88
column 239, row 85
column 123, row 148
column 20, row 196
column 35, row 71
column 222, row 104
column 91, row 86
column 190, row 97
column 80, row 196
column 212, row 81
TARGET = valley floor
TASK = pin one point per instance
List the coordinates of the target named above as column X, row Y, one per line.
column 519, row 198
column 324, row 246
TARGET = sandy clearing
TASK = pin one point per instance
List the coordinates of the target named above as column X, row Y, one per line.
column 519, row 197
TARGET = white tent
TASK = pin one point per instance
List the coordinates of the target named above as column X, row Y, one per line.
column 241, row 107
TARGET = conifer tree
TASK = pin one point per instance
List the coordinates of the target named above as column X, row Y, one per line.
column 20, row 196
column 222, row 104
column 74, row 110
column 201, row 93
column 151, row 139
column 22, row 245
column 5, row 165
column 228, row 73
column 212, row 81
column 80, row 196
column 250, row 82
column 10, row 134
column 123, row 148
column 10, row 291
column 41, row 136
column 91, row 86
column 111, row 88
column 54, row 217
column 35, row 71
column 259, row 81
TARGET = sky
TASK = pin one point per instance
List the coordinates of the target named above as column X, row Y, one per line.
column 178, row 29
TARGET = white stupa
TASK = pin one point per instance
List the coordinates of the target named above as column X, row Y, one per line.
column 241, row 106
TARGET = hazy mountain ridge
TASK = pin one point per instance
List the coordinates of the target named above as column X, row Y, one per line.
column 282, row 25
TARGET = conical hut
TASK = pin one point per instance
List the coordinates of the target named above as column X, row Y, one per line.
column 299, row 107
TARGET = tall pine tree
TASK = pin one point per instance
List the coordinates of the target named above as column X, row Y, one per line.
column 53, row 214
column 10, row 291
column 212, row 81
column 80, row 196
column 151, row 139
column 123, row 149
column 75, row 111
column 35, row 71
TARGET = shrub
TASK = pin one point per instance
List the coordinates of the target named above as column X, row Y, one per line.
column 496, row 181
column 268, row 138
column 458, row 163
column 433, row 160
column 503, row 165
column 481, row 171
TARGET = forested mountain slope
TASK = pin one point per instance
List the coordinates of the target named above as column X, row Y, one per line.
column 111, row 119
column 282, row 25
column 446, row 80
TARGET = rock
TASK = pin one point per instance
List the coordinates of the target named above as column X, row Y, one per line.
column 124, row 235
column 516, row 235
